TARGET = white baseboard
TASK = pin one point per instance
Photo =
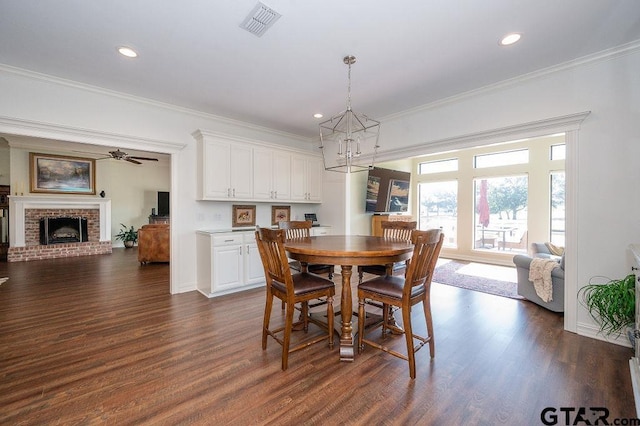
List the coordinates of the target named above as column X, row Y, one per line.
column 592, row 331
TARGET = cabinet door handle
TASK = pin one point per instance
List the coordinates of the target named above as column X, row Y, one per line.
column 240, row 249
column 228, row 241
column 228, row 192
column 275, row 194
column 234, row 193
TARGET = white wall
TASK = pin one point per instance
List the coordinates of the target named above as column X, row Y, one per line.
column 607, row 152
column 50, row 108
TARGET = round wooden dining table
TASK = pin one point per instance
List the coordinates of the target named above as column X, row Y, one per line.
column 347, row 251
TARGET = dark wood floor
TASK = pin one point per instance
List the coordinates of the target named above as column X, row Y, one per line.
column 99, row 339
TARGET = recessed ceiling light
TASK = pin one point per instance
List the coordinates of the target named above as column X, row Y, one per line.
column 127, row 51
column 317, row 115
column 510, row 39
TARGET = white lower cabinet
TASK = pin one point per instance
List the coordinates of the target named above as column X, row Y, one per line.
column 317, row 231
column 227, row 262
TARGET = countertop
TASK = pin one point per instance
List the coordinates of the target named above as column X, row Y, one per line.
column 252, row 228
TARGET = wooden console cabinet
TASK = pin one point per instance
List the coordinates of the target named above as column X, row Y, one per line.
column 159, row 219
column 377, row 219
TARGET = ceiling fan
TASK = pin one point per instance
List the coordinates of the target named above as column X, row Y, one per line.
column 121, row 155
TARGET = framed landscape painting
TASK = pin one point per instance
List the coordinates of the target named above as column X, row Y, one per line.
column 243, row 216
column 60, row 174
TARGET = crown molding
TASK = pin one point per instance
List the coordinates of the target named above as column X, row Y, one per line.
column 37, row 129
column 602, row 56
column 520, row 131
column 138, row 99
column 201, row 134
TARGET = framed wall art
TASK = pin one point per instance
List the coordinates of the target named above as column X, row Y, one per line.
column 280, row 214
column 243, row 216
column 60, row 174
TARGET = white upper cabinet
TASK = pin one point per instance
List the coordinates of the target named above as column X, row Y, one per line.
column 314, row 179
column 226, row 170
column 306, row 179
column 271, row 174
column 281, row 175
column 230, row 170
column 214, row 173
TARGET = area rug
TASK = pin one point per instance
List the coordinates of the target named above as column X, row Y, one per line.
column 497, row 280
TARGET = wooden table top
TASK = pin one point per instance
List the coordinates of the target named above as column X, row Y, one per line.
column 349, row 250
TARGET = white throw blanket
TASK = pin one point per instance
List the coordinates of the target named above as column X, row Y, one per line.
column 540, row 274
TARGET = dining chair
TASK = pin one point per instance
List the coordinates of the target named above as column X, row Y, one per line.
column 390, row 229
column 291, row 289
column 404, row 292
column 302, row 229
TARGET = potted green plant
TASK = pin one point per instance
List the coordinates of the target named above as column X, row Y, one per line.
column 612, row 304
column 128, row 236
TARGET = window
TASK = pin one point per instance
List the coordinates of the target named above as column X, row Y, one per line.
column 557, row 209
column 506, row 158
column 558, row 152
column 438, row 208
column 501, row 213
column 523, row 197
column 450, row 165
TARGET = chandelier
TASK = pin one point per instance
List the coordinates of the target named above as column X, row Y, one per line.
column 348, row 140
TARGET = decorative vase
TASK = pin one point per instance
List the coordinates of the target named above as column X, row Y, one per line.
column 128, row 244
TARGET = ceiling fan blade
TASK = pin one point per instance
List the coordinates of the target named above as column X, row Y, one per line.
column 132, row 161
column 144, row 158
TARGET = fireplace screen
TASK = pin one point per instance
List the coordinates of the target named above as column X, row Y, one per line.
column 58, row 230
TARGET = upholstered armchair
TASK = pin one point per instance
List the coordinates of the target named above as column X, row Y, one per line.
column 526, row 288
column 154, row 243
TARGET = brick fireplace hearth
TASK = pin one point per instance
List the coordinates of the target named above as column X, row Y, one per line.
column 26, row 212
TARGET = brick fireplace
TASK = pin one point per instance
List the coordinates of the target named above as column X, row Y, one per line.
column 27, row 212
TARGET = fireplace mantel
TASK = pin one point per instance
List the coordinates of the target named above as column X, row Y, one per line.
column 18, row 205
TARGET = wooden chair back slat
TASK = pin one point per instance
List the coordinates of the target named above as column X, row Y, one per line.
column 427, row 245
column 398, row 229
column 274, row 258
column 296, row 228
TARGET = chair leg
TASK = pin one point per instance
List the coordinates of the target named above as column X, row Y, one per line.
column 267, row 316
column 330, row 315
column 408, row 332
column 426, row 304
column 331, row 272
column 385, row 317
column 361, row 320
column 288, row 325
column 360, row 275
column 305, row 316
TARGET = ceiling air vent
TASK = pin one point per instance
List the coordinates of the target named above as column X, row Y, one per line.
column 260, row 19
